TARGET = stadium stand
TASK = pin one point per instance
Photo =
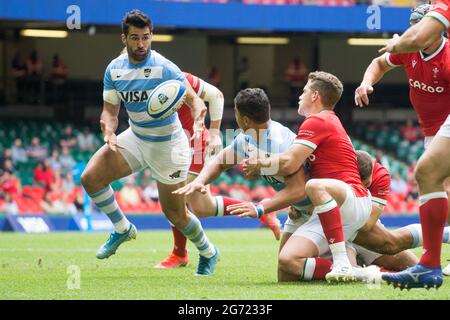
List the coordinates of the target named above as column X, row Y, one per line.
column 35, row 190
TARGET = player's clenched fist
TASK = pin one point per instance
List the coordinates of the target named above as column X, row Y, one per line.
column 362, row 94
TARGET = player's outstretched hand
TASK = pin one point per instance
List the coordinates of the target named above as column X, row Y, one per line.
column 243, row 209
column 362, row 94
column 390, row 46
column 109, row 136
column 190, row 188
column 251, row 168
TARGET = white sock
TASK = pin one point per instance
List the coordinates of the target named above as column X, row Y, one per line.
column 339, row 253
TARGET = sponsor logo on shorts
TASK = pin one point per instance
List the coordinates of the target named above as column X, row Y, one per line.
column 176, row 174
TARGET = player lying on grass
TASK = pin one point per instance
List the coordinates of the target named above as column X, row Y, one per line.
column 391, row 244
column 209, row 144
column 292, row 267
column 429, row 79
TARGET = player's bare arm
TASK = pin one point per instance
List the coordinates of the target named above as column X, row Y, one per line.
column 215, row 100
column 418, row 37
column 374, row 73
column 292, row 193
column 198, row 109
column 226, row 159
column 286, row 163
column 108, row 123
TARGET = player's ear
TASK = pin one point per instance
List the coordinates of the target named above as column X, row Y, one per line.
column 246, row 120
column 315, row 96
column 124, row 39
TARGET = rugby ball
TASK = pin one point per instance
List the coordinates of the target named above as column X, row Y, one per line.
column 166, row 99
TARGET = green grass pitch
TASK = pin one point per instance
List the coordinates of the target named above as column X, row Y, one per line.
column 38, row 267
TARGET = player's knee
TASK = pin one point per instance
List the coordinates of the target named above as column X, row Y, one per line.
column 86, row 179
column 426, row 172
column 178, row 218
column 420, row 173
column 198, row 209
column 284, row 261
column 313, row 185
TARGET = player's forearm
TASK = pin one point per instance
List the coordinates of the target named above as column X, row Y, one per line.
column 214, row 126
column 197, row 107
column 210, row 172
column 374, row 72
column 281, row 165
column 420, row 36
column 281, row 200
column 111, row 120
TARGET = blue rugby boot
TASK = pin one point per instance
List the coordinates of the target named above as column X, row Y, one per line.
column 206, row 265
column 417, row 276
column 114, row 241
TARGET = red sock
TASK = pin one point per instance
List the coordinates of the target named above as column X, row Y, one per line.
column 179, row 243
column 226, row 201
column 433, row 216
column 316, row 268
column 332, row 225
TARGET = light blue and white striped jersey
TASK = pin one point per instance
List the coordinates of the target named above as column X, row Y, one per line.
column 133, row 83
column 276, row 139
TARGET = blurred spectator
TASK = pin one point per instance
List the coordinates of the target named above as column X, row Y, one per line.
column 57, row 183
column 382, row 159
column 129, row 194
column 43, row 175
column 66, row 160
column 86, row 140
column 243, row 74
column 78, row 203
column 409, row 131
column 238, row 193
column 36, row 151
column 146, row 178
column 398, row 185
column 6, row 160
column 8, row 165
column 58, row 76
column 55, row 163
column 9, row 206
column 68, row 139
column 413, row 192
column 68, row 185
column 19, row 72
column 150, row 192
column 34, row 79
column 18, row 153
column 9, row 184
column 214, row 77
column 55, row 204
column 296, row 75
